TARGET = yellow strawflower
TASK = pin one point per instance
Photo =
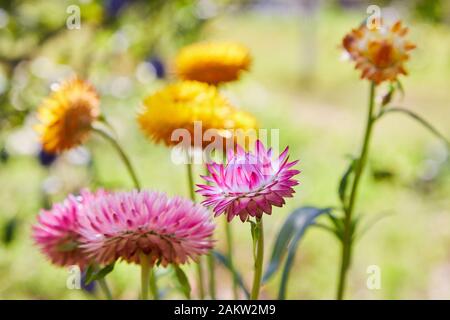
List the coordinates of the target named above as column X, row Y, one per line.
column 179, row 105
column 65, row 117
column 212, row 62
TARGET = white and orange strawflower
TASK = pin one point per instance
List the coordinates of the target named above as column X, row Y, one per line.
column 379, row 52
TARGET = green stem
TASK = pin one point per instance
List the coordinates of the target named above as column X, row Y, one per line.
column 105, row 288
column 229, row 240
column 108, row 125
column 145, row 275
column 359, row 168
column 212, row 276
column 153, row 286
column 259, row 243
column 190, row 181
column 211, row 265
column 200, row 282
column 122, row 154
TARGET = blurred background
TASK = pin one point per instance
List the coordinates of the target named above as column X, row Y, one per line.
column 298, row 83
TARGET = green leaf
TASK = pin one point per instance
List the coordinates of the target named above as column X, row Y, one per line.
column 419, row 119
column 236, row 275
column 338, row 224
column 370, row 224
column 10, row 230
column 298, row 220
column 400, row 88
column 104, row 271
column 304, row 217
column 342, row 190
column 387, row 98
column 354, row 225
column 183, row 281
column 254, row 229
column 89, row 272
column 330, row 229
column 93, row 275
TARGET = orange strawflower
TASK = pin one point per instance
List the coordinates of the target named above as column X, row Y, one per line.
column 67, row 114
column 380, row 53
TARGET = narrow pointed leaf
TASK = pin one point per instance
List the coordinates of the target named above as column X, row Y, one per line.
column 400, row 88
column 387, row 98
column 98, row 274
column 255, row 235
column 342, row 190
column 420, row 120
column 183, row 281
column 338, row 225
column 10, row 230
column 370, row 224
column 297, row 220
column 237, row 277
column 303, row 218
column 89, row 273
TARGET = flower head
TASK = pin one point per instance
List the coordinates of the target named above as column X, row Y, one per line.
column 249, row 184
column 66, row 116
column 180, row 105
column 57, row 231
column 380, row 53
column 123, row 225
column 212, row 62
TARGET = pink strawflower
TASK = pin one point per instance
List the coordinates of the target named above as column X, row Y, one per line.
column 249, row 184
column 123, row 225
column 56, row 232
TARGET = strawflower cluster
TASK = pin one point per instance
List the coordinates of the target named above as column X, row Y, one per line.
column 97, row 229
